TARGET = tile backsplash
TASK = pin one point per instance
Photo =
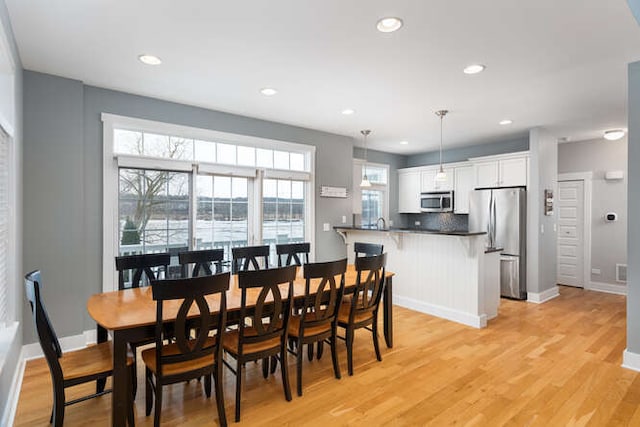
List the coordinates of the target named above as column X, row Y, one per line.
column 438, row 221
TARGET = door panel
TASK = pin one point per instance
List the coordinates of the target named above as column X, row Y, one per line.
column 571, row 233
column 508, row 233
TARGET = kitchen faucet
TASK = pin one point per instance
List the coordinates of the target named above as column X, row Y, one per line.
column 384, row 223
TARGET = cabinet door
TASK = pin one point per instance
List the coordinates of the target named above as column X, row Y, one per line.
column 429, row 182
column 409, row 192
column 487, row 174
column 513, row 172
column 463, row 186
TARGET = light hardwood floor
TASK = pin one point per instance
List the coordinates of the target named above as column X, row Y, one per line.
column 554, row 364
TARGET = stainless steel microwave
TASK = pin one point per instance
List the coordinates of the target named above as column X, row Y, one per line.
column 436, row 201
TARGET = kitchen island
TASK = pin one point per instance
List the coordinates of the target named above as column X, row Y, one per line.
column 444, row 274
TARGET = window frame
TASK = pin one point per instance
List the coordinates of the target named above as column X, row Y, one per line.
column 359, row 165
column 112, row 161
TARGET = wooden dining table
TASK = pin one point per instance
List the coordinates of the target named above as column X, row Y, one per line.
column 130, row 315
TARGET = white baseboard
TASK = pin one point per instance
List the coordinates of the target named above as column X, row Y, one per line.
column 14, row 393
column 73, row 342
column 631, row 360
column 607, row 287
column 544, row 296
column 440, row 311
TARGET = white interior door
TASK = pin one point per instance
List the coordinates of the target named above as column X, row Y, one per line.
column 570, row 202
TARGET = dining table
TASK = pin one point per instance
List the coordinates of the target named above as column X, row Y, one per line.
column 129, row 315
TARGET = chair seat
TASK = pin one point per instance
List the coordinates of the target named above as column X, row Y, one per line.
column 294, row 326
column 92, row 360
column 231, row 339
column 361, row 316
column 169, row 369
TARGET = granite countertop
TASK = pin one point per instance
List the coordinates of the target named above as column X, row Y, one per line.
column 413, row 230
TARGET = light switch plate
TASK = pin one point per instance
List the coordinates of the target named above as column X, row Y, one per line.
column 416, row 223
column 344, row 219
column 595, row 271
column 326, row 226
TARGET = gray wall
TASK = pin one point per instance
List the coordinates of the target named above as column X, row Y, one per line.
column 608, row 239
column 464, row 153
column 633, row 196
column 12, row 351
column 395, row 162
column 64, row 148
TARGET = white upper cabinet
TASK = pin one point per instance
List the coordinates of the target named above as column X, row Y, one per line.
column 463, row 186
column 509, row 171
column 409, row 192
column 429, row 181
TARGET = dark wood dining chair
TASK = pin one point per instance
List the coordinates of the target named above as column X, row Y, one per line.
column 248, row 257
column 293, row 253
column 361, row 311
column 141, row 267
column 367, row 249
column 205, row 262
column 262, row 331
column 187, row 357
column 72, row 368
column 317, row 319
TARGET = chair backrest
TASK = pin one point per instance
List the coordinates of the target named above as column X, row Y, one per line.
column 244, row 258
column 202, row 262
column 293, row 253
column 46, row 335
column 270, row 317
column 369, row 284
column 321, row 302
column 139, row 265
column 367, row 249
column 190, row 291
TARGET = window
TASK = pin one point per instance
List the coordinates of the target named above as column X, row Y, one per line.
column 173, row 188
column 374, row 200
column 4, row 228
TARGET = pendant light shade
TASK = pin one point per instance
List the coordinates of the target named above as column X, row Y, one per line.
column 441, row 175
column 365, row 180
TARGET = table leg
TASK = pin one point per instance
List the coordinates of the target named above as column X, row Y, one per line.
column 101, row 336
column 120, row 398
column 388, row 312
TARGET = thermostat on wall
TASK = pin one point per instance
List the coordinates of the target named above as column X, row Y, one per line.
column 611, row 216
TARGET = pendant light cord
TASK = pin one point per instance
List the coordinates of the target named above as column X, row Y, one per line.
column 441, row 118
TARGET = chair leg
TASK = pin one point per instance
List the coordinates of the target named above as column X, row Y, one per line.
column 207, row 386
column 374, row 332
column 320, row 349
column 265, row 367
column 130, row 412
column 100, row 385
column 299, row 368
column 334, row 355
column 158, row 403
column 310, row 351
column 349, row 342
column 148, row 392
column 238, row 389
column 57, row 412
column 217, row 379
column 285, row 371
column 274, row 364
column 135, row 374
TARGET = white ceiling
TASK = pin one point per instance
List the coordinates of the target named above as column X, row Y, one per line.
column 557, row 64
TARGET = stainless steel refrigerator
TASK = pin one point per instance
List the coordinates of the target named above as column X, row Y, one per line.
column 502, row 213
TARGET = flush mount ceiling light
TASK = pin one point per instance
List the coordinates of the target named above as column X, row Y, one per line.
column 150, row 59
column 613, row 134
column 348, row 111
column 404, row 142
column 474, row 69
column 441, row 175
column 268, row 91
column 505, row 122
column 365, row 181
column 389, row 24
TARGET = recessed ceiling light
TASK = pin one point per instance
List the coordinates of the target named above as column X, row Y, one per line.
column 404, row 142
column 613, row 134
column 150, row 59
column 268, row 91
column 389, row 24
column 474, row 68
column 348, row 111
column 505, row 122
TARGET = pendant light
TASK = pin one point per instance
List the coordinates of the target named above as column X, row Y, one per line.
column 365, row 181
column 441, row 175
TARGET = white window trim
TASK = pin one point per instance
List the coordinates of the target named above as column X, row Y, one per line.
column 112, row 161
column 379, row 187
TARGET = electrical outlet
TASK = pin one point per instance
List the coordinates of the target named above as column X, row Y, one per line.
column 344, row 219
column 541, row 228
column 555, row 228
column 326, row 226
column 416, row 223
column 595, row 271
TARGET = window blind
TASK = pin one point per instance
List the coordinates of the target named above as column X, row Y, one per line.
column 4, row 227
